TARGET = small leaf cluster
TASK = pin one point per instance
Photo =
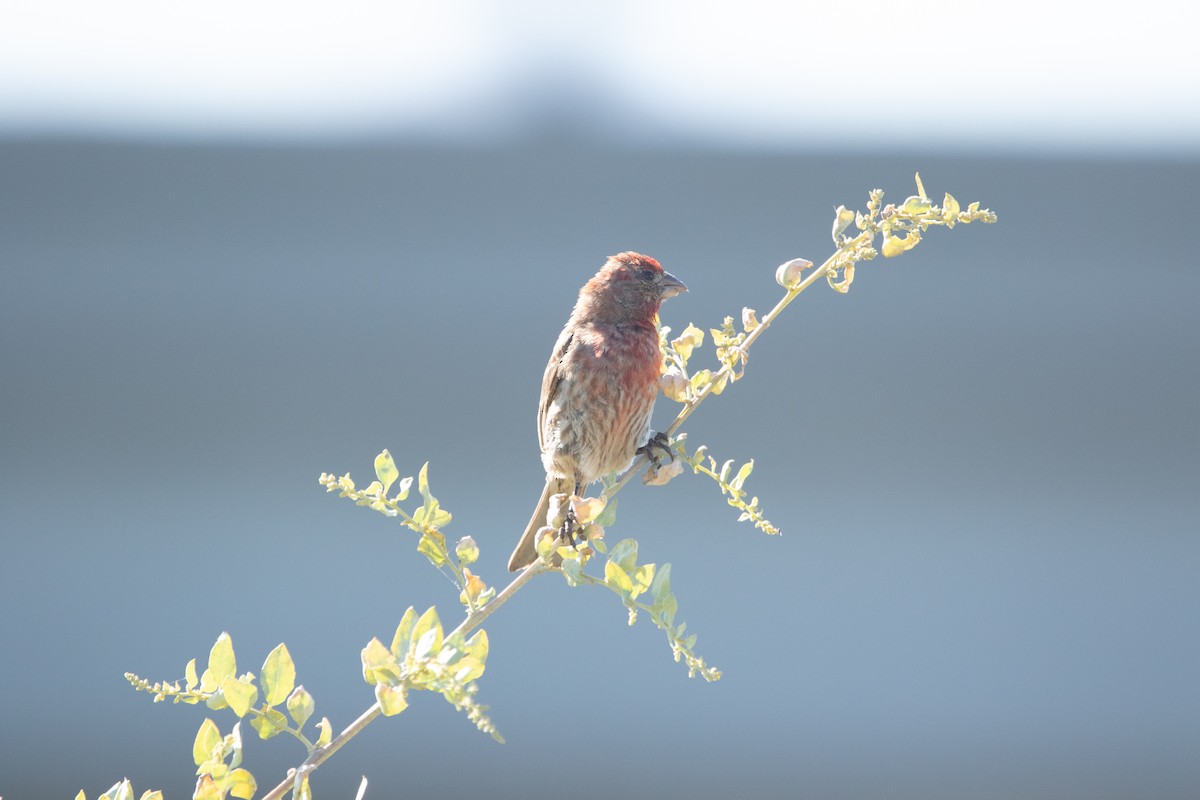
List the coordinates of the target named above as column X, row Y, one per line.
column 422, row 658
column 122, row 791
column 900, row 227
column 704, row 464
column 684, row 387
column 218, row 763
column 218, row 687
column 629, row 580
column 428, row 519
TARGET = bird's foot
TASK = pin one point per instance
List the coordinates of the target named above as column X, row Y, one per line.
column 570, row 526
column 657, row 448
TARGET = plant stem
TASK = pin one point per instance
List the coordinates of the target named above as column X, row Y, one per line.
column 472, row 621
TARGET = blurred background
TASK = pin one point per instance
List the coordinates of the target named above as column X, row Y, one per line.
column 243, row 244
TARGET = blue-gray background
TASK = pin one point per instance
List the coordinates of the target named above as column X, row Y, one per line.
column 984, row 460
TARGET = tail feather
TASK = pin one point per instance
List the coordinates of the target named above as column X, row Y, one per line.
column 525, row 553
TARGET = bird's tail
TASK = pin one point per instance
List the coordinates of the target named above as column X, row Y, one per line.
column 525, row 552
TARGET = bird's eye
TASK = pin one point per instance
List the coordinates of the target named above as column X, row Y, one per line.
column 646, row 275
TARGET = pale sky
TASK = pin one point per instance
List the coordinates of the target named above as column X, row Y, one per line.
column 934, row 73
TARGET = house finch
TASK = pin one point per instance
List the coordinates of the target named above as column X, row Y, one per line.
column 601, row 383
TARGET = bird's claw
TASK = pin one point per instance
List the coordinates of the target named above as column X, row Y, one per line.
column 570, row 525
column 656, row 448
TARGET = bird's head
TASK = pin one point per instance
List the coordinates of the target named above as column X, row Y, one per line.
column 629, row 286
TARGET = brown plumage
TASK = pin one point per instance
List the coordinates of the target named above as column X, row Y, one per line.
column 601, row 382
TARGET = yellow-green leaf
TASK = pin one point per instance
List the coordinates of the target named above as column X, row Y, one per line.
column 326, row 732
column 587, row 508
column 378, row 664
column 241, row 784
column 477, row 646
column 385, row 470
column 642, row 577
column 402, row 489
column 624, row 553
column 270, row 722
column 300, row 705
column 691, row 338
column 221, row 661
column 423, row 481
column 207, row 789
column 950, row 209
column 743, row 473
column 660, row 587
column 894, row 246
column 239, row 695
column 392, row 699
column 189, row 673
column 207, row 739
column 278, row 676
column 467, row 551
column 119, row 791
column 404, row 634
column 155, row 795
column 616, row 577
column 429, row 628
column 432, row 544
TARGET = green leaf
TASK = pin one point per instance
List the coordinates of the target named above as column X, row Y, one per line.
column 661, row 586
column 404, row 634
column 301, row 792
column 239, row 695
column 385, row 470
column 423, row 482
column 624, row 553
column 326, row 732
column 617, row 578
column 392, row 699
column 432, row 545
column 206, row 789
column 402, row 490
column 572, row 571
column 241, row 784
column 300, row 706
column 642, row 578
column 467, row 551
column 429, row 629
column 120, row 791
column 278, row 676
column 476, row 653
column 378, row 664
column 668, row 605
column 233, row 743
column 608, row 517
column 269, row 723
column 207, row 739
column 950, row 209
column 189, row 672
column 221, row 662
column 155, row 795
column 743, row 473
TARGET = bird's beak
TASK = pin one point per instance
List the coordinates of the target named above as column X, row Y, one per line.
column 671, row 285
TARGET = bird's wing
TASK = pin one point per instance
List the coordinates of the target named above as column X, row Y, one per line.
column 551, row 381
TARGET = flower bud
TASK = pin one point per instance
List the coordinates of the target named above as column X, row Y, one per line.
column 749, row 320
column 790, row 272
column 674, row 385
column 467, row 551
column 841, row 220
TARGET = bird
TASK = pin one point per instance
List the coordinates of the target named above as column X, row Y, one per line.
column 600, row 384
